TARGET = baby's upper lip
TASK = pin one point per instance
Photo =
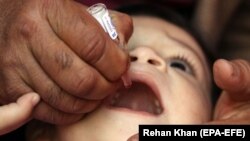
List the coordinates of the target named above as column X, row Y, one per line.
column 147, row 75
column 144, row 88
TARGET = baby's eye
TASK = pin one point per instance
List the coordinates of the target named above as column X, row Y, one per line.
column 181, row 65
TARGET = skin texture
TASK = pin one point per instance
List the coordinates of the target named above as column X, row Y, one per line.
column 154, row 47
column 58, row 50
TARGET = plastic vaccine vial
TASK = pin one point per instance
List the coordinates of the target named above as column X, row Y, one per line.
column 100, row 12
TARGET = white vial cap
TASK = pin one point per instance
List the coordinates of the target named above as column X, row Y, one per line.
column 100, row 13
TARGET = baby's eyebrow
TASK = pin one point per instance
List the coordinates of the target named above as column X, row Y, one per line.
column 184, row 45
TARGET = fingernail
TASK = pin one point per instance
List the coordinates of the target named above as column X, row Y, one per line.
column 35, row 99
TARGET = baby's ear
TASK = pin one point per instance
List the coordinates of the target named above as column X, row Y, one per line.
column 39, row 131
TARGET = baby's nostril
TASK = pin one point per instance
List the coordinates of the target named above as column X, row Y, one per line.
column 133, row 58
column 154, row 62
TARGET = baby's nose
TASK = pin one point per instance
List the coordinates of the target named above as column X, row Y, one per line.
column 149, row 56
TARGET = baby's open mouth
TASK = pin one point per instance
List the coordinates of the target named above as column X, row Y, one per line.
column 140, row 97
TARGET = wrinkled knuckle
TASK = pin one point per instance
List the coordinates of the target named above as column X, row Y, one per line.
column 84, row 83
column 57, row 98
column 14, row 91
column 54, row 117
column 94, row 47
column 61, row 118
column 50, row 7
column 49, row 115
column 26, row 26
column 82, row 107
column 11, row 93
column 244, row 66
column 63, row 59
column 53, row 95
column 90, row 108
column 78, row 106
column 44, row 114
column 94, row 105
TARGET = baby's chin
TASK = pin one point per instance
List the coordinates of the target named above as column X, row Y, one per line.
column 116, row 124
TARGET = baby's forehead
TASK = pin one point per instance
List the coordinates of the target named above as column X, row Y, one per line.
column 148, row 26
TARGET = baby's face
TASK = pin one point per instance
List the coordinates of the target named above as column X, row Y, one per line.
column 170, row 86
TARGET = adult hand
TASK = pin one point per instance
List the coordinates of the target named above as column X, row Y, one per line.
column 58, row 50
column 16, row 114
column 233, row 106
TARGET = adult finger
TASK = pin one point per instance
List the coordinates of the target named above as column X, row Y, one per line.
column 45, row 112
column 74, row 25
column 234, row 78
column 123, row 24
column 16, row 114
